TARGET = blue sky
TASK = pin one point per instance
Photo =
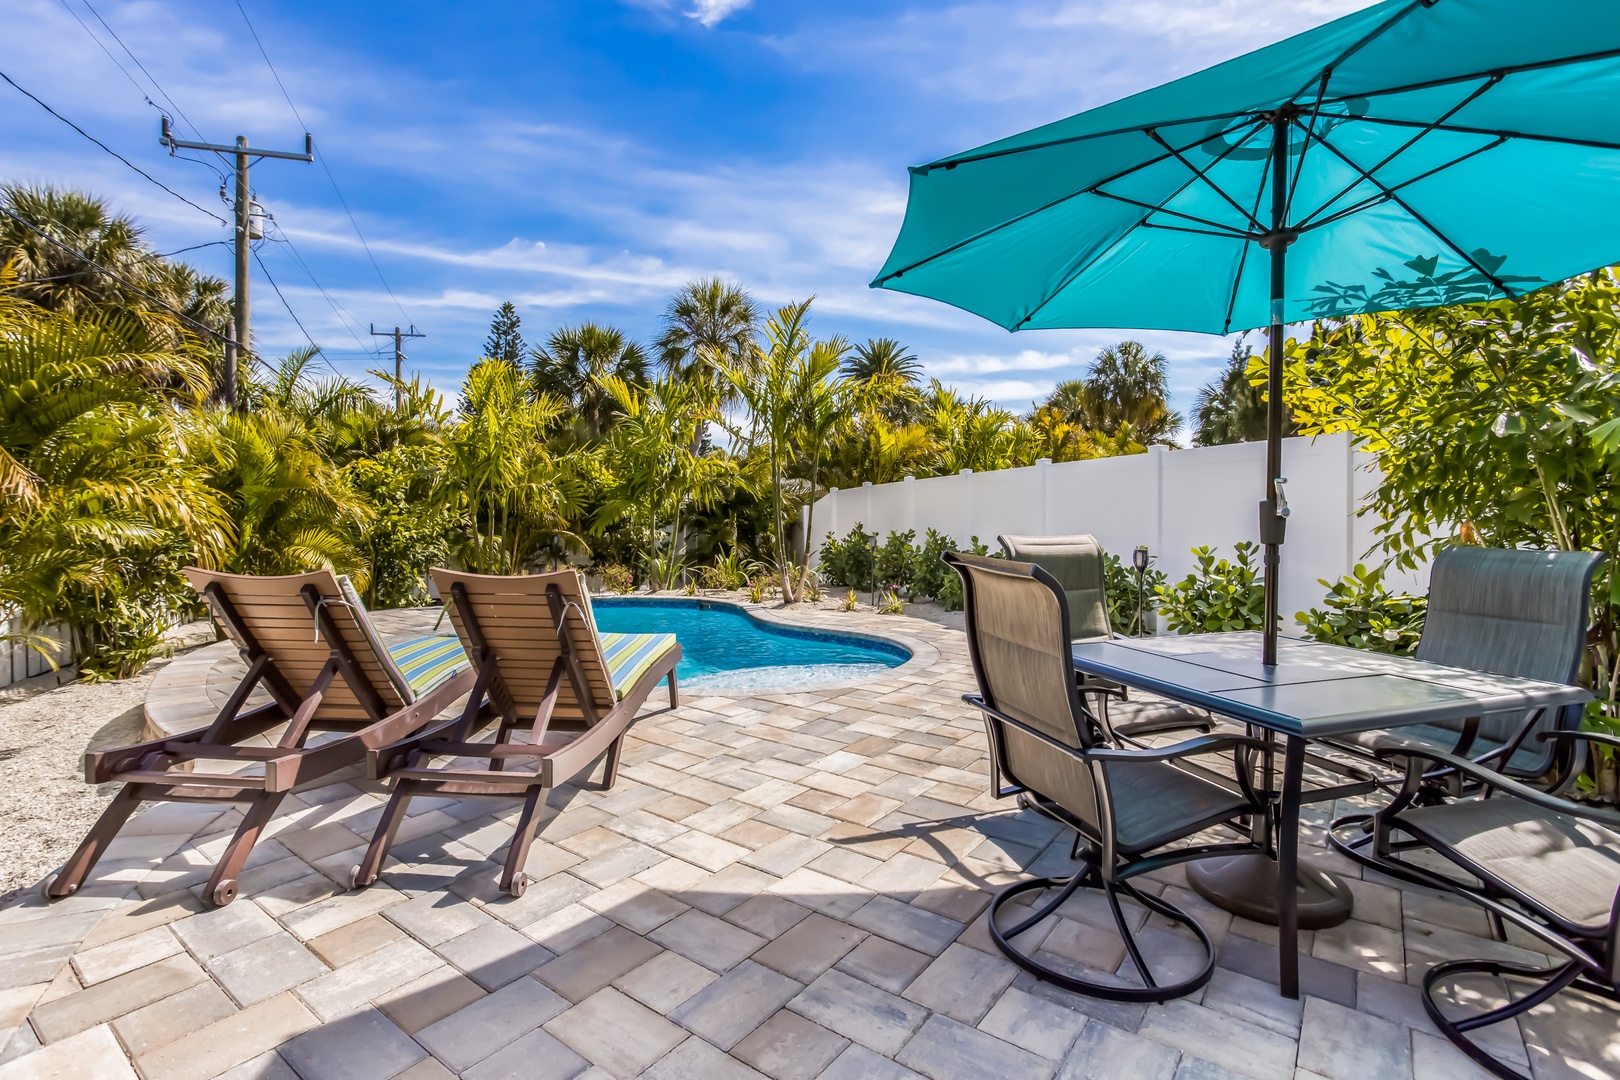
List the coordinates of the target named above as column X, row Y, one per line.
column 584, row 159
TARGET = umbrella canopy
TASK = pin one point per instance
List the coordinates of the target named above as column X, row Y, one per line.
column 1415, row 153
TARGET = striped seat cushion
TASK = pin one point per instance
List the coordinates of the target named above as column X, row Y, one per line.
column 629, row 656
column 428, row 661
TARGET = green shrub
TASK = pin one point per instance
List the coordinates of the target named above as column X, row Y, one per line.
column 615, row 578
column 1219, row 595
column 729, row 571
column 1123, row 597
column 848, row 561
column 1362, row 614
column 950, row 590
column 928, row 573
column 894, row 560
column 890, row 604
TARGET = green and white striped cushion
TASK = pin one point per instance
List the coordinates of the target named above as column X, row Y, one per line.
column 628, row 656
column 428, row 661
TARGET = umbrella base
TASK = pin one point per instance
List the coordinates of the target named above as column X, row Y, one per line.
column 1246, row 885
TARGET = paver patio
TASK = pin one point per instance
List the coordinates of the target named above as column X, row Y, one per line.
column 789, row 885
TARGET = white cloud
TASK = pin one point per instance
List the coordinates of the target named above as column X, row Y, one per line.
column 710, row 12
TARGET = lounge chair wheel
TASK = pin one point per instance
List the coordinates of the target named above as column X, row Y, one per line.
column 356, row 881
column 223, row 893
column 520, row 884
column 47, row 886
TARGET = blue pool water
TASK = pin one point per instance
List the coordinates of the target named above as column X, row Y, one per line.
column 723, row 646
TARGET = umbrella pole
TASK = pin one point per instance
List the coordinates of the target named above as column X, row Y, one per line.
column 1274, row 508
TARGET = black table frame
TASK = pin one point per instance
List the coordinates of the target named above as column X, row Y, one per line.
column 1223, row 673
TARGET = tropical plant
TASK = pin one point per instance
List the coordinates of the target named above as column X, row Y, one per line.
column 849, row 561
column 708, row 325
column 729, row 571
column 614, row 577
column 1219, row 595
column 930, row 577
column 885, row 375
column 889, row 604
column 1362, row 614
column 519, row 495
column 1498, row 421
column 1125, row 384
column 893, row 560
column 850, row 601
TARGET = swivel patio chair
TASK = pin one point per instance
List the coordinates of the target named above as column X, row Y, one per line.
column 1506, row 612
column 559, row 694
column 1128, row 808
column 1548, row 866
column 308, row 641
column 1079, row 564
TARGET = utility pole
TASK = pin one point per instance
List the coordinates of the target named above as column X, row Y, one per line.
column 399, row 356
column 244, row 231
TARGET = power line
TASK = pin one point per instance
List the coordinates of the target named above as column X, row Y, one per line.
column 110, row 150
column 164, row 94
column 264, row 270
column 322, row 159
column 48, row 238
column 337, row 309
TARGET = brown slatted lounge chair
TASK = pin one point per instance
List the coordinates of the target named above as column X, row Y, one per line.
column 559, row 694
column 1080, row 567
column 1129, row 809
column 1548, row 866
column 308, row 641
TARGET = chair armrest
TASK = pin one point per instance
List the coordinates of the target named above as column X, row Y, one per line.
column 1585, row 736
column 1103, row 691
column 382, row 760
column 1496, row 780
column 1160, row 727
column 1204, row 744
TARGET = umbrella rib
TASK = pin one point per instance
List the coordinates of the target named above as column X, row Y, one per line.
column 1419, row 218
column 1503, row 70
column 1135, row 129
column 1473, row 95
column 1060, row 200
column 1367, row 39
column 1299, row 170
column 1373, row 200
column 1500, row 133
column 1226, row 230
column 1200, row 174
column 1243, row 259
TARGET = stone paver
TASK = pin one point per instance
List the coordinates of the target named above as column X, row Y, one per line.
column 782, row 885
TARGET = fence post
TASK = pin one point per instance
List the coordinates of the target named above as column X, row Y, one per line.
column 910, row 489
column 1043, row 476
column 832, row 512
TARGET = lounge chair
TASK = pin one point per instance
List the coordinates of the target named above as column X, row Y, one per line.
column 1080, row 567
column 308, row 641
column 559, row 693
column 1548, row 866
column 1128, row 808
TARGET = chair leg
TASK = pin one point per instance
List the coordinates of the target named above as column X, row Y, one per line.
column 382, row 839
column 1087, row 877
column 221, row 888
column 610, row 768
column 513, row 879
column 102, row 833
column 674, row 692
column 1556, row 980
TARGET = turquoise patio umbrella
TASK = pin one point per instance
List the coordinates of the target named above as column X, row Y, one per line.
column 1413, row 154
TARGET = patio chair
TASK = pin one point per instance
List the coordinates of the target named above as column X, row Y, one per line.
column 1548, row 866
column 1507, row 612
column 309, row 642
column 559, row 694
column 1080, row 566
column 1126, row 807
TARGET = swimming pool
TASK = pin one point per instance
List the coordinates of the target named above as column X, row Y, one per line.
column 724, row 647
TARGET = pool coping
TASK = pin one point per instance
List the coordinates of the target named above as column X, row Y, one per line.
column 923, row 655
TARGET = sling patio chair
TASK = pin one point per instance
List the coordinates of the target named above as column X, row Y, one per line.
column 1128, row 808
column 1081, row 568
column 1546, row 865
column 1505, row 612
column 559, row 693
column 307, row 639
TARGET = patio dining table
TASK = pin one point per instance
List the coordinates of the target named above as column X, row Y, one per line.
column 1313, row 691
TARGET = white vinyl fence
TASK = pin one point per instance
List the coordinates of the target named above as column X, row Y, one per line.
column 1169, row 500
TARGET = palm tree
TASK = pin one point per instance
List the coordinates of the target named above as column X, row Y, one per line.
column 1126, row 384
column 103, row 493
column 573, row 365
column 1231, row 409
column 885, row 375
column 54, row 277
column 708, row 323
